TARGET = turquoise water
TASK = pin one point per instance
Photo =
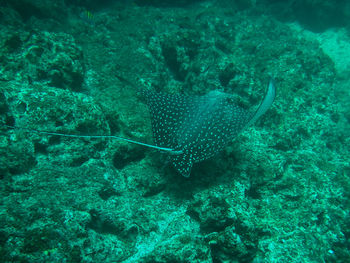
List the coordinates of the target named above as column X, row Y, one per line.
column 278, row 193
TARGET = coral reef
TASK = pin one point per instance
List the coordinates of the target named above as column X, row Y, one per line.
column 279, row 193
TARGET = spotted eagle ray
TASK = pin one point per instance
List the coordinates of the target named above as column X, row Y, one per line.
column 196, row 128
column 191, row 128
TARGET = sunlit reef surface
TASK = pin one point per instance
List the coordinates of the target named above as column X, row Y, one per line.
column 278, row 193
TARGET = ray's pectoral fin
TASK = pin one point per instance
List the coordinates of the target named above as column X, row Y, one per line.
column 266, row 102
column 183, row 164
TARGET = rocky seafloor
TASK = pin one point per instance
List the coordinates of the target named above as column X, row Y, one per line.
column 279, row 193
